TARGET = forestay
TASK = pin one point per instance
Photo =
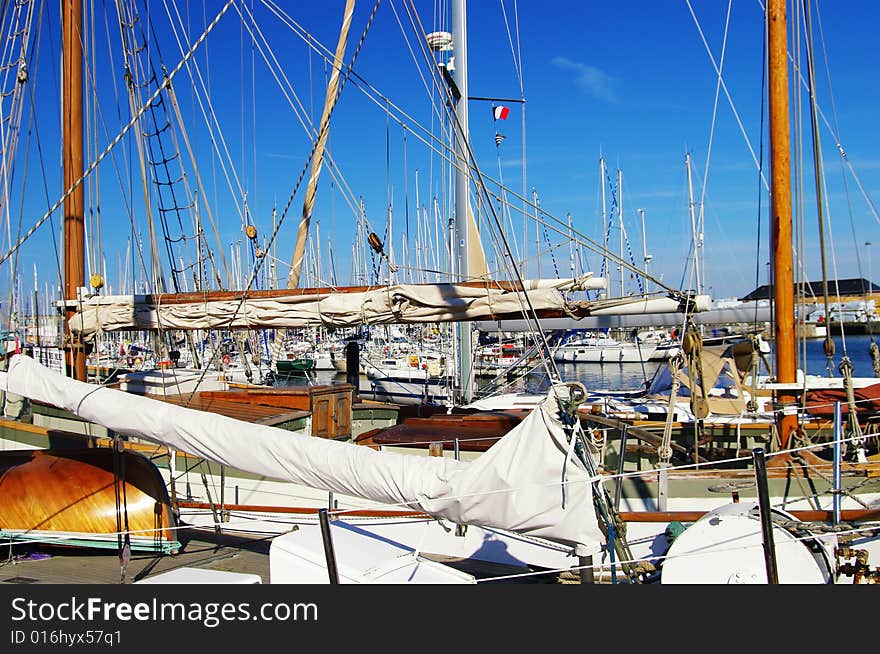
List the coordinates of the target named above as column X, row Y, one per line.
column 528, row 482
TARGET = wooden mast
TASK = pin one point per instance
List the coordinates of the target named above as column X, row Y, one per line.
column 299, row 250
column 72, row 139
column 780, row 223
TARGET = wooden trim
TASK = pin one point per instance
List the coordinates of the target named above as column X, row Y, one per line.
column 848, row 515
column 259, row 508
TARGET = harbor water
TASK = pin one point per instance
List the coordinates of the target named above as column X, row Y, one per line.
column 634, row 376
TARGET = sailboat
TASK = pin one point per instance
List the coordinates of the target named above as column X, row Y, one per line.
column 538, row 491
column 89, row 315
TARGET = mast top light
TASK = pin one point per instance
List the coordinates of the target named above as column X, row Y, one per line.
column 439, row 41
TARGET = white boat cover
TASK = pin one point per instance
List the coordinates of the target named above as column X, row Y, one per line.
column 400, row 303
column 527, row 482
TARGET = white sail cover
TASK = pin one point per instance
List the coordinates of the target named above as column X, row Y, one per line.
column 527, row 482
column 400, row 303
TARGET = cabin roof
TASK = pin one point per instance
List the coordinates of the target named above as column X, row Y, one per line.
column 842, row 287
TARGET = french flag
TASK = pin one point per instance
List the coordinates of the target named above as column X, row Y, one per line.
column 500, row 113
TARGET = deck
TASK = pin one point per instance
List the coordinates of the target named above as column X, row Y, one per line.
column 201, row 549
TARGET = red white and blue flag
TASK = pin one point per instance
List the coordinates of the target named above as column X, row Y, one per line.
column 500, row 112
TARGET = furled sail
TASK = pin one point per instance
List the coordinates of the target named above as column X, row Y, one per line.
column 528, row 482
column 277, row 309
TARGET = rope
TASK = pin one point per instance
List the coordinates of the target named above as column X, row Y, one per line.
column 846, row 369
column 118, row 137
column 664, row 451
column 692, row 346
column 318, row 155
column 874, row 351
column 727, row 94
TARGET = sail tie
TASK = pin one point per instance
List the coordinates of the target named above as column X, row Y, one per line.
column 664, row 450
column 692, row 346
column 855, row 429
column 874, row 351
column 752, row 404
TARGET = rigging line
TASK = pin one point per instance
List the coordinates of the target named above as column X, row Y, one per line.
column 516, row 62
column 333, row 93
column 168, row 183
column 45, row 182
column 306, row 165
column 348, row 194
column 406, row 205
column 384, row 101
column 837, row 128
column 820, row 186
column 579, row 238
column 727, row 93
column 93, row 190
column 124, row 196
column 413, row 55
column 605, row 477
column 327, row 55
column 165, row 159
column 366, row 88
column 760, row 167
column 840, row 149
column 342, row 82
column 9, row 138
column 379, row 99
column 819, row 178
column 215, row 130
column 501, row 201
column 118, row 137
column 714, row 117
column 537, row 334
column 301, row 114
column 189, row 193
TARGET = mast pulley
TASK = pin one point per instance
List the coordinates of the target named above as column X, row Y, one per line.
column 379, row 248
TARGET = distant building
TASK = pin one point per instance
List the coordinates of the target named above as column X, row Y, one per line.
column 843, row 290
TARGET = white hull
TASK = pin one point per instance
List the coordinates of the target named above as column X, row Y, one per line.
column 620, row 353
column 400, row 390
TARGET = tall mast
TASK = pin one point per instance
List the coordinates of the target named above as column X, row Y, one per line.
column 646, row 258
column 620, row 224
column 694, row 235
column 299, row 249
column 605, row 221
column 72, row 139
column 780, row 202
column 462, row 187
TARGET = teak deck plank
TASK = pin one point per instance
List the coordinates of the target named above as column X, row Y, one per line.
column 256, row 413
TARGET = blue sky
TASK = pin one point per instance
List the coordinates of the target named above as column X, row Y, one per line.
column 632, row 81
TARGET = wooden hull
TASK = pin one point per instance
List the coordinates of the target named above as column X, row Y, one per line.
column 475, row 432
column 69, row 497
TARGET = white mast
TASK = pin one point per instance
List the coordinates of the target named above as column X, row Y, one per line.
column 605, row 221
column 687, row 164
column 620, row 224
column 462, row 187
column 537, row 235
column 646, row 258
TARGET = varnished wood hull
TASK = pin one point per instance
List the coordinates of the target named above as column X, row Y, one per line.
column 69, row 497
column 475, row 432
